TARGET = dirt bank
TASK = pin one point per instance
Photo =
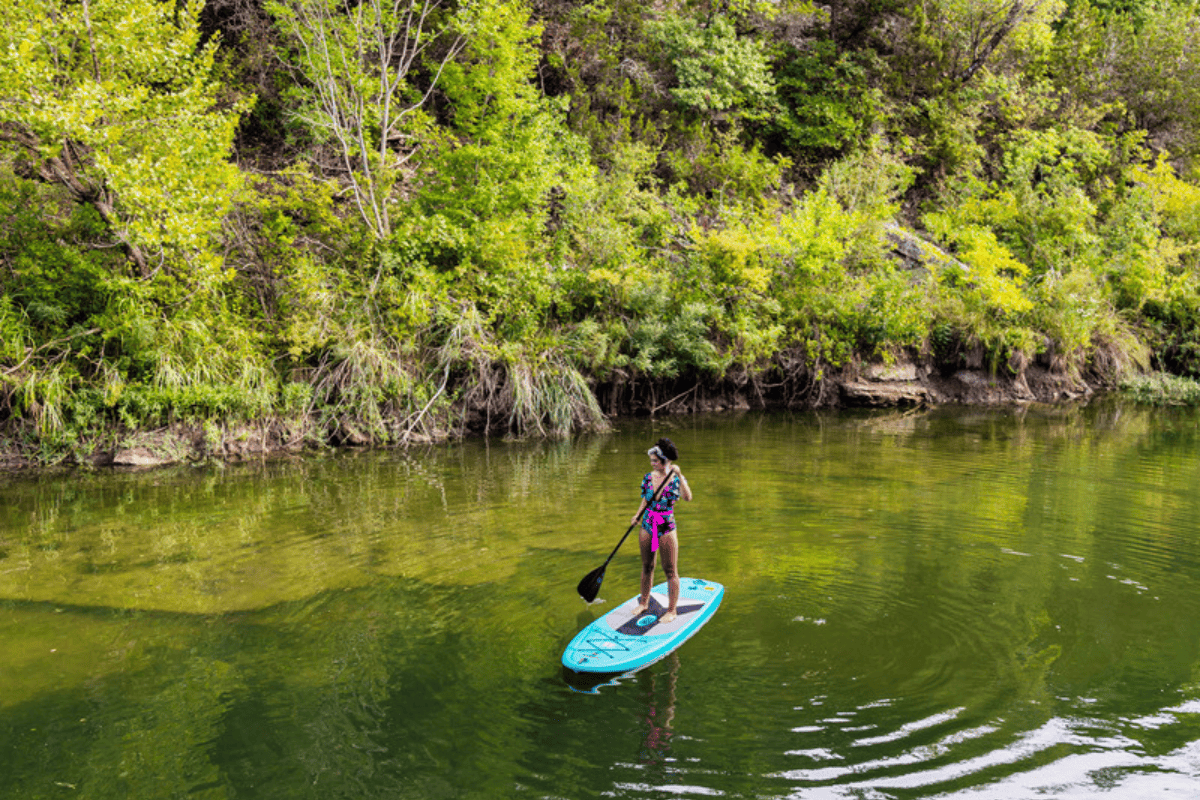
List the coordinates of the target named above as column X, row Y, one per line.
column 878, row 385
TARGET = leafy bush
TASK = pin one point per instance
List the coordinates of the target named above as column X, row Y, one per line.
column 722, row 171
column 715, row 69
column 825, row 101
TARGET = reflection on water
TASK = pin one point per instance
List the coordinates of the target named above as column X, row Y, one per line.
column 659, row 696
column 952, row 603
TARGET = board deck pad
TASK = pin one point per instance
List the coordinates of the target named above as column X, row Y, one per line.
column 621, row 641
column 658, row 607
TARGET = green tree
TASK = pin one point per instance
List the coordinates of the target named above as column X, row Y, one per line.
column 1141, row 70
column 823, row 97
column 948, row 42
column 116, row 103
column 482, row 208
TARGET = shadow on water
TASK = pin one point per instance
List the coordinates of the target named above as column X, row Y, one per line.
column 591, row 682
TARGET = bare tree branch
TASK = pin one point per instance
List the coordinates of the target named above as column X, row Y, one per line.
column 359, row 64
column 65, row 171
column 995, row 35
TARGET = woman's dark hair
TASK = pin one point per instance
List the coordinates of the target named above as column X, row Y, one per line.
column 668, row 449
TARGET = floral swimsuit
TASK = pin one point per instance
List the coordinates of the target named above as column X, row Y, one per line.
column 660, row 517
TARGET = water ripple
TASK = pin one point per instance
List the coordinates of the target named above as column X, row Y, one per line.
column 1061, row 757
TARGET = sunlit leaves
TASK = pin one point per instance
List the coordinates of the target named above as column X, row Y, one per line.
column 1178, row 201
column 117, row 99
column 990, row 269
column 481, row 208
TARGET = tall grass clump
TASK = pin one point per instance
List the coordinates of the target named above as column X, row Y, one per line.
column 522, row 388
column 364, row 388
column 1161, row 389
column 200, row 363
column 547, row 396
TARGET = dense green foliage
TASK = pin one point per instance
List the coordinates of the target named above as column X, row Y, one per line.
column 397, row 219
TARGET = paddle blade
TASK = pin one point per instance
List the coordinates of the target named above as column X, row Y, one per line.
column 589, row 587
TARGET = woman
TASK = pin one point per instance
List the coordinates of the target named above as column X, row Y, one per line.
column 658, row 526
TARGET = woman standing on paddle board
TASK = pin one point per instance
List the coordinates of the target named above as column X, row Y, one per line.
column 658, row 526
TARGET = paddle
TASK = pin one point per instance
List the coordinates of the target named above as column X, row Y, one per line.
column 589, row 587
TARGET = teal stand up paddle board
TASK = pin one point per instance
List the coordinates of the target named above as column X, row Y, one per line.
column 622, row 642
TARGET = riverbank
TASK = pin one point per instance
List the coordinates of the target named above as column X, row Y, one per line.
column 901, row 383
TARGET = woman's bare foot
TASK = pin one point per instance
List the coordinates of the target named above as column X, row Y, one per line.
column 667, row 617
column 643, row 607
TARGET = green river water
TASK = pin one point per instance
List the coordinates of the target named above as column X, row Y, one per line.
column 954, row 603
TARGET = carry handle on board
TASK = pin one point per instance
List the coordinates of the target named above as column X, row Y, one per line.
column 589, row 587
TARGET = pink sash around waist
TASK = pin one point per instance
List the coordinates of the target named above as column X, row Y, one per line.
column 657, row 518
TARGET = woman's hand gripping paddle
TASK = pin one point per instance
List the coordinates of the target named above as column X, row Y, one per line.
column 589, row 587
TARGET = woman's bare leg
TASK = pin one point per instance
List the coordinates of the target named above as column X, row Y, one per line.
column 648, row 559
column 669, row 545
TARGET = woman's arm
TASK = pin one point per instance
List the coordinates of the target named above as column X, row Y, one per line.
column 633, row 520
column 685, row 491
